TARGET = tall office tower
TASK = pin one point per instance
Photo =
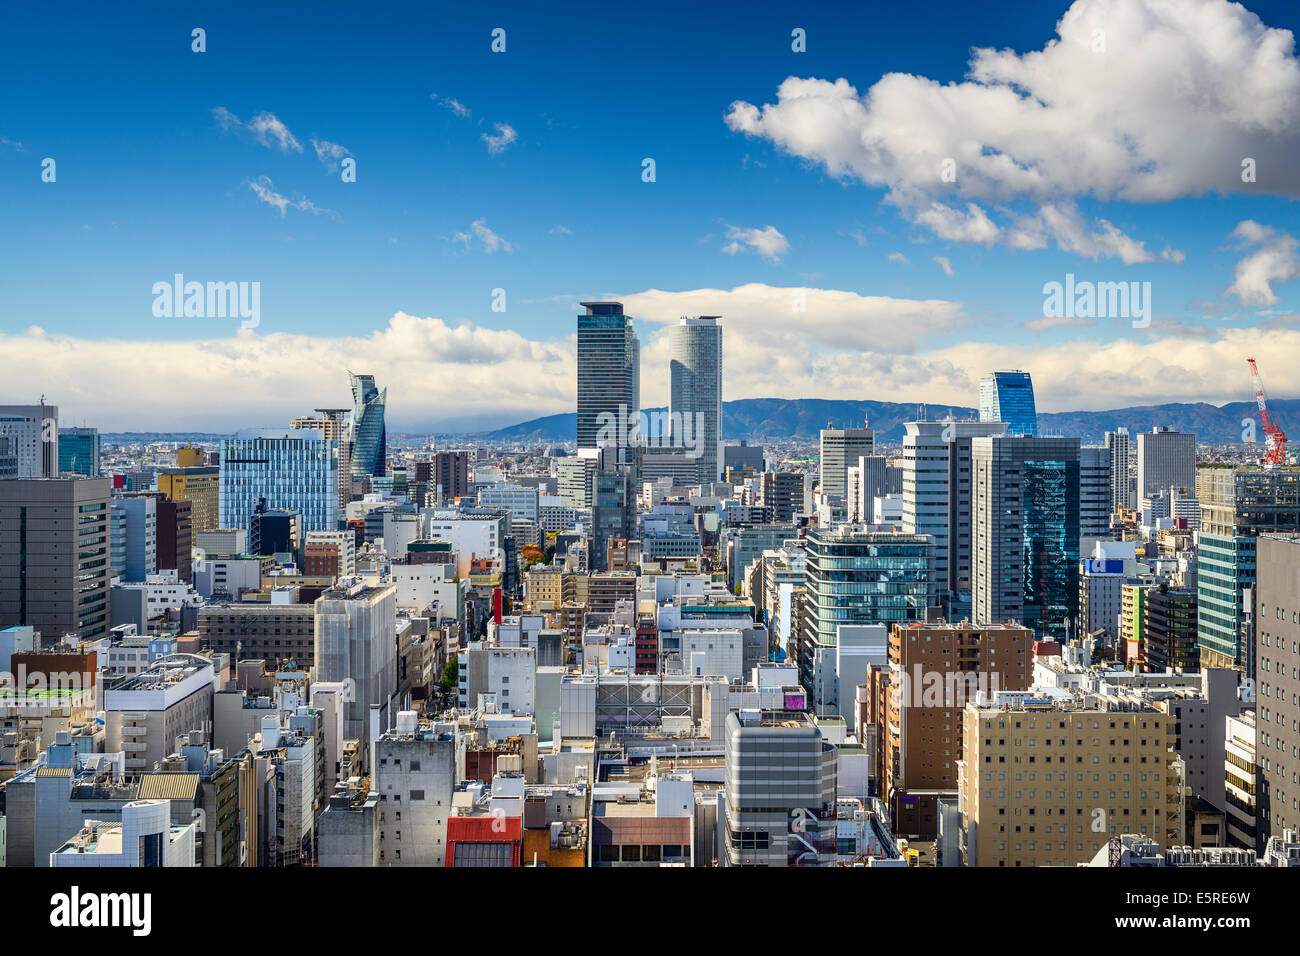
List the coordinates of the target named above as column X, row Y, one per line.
column 574, row 477
column 292, row 471
column 695, row 394
column 1165, row 459
column 175, row 538
column 1025, row 533
column 199, row 485
column 356, row 629
column 79, row 451
column 613, row 512
column 783, row 492
column 841, row 447
column 779, row 791
column 1277, row 653
column 1126, row 736
column 873, row 480
column 1121, row 482
column 369, row 437
column 33, row 433
column 1009, row 397
column 934, row 671
column 852, row 576
column 333, row 425
column 1094, row 492
column 609, row 375
column 1237, row 505
column 1170, row 623
column 135, row 535
column 54, row 555
column 936, row 501
column 446, row 474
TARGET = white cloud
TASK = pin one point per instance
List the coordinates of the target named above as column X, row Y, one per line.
column 265, row 128
column 456, row 106
column 329, row 153
column 478, row 230
column 561, row 230
column 263, row 189
column 767, row 242
column 501, row 141
column 1275, row 261
column 944, row 264
column 1057, row 322
column 1183, row 92
column 898, row 257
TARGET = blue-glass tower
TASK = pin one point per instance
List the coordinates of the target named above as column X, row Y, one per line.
column 1009, row 397
column 369, row 438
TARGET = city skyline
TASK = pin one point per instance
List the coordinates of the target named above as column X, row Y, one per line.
column 476, row 190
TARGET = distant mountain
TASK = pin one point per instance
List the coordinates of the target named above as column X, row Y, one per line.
column 757, row 419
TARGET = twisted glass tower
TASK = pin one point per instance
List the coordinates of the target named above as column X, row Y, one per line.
column 368, row 434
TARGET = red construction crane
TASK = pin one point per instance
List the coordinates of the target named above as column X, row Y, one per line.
column 1275, row 438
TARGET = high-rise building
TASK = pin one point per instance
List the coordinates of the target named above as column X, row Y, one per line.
column 369, row 436
column 840, row 448
column 54, row 555
column 33, row 438
column 779, row 791
column 1121, row 482
column 613, row 512
column 446, row 474
column 937, row 501
column 1025, row 532
column 1009, row 397
column 1165, row 459
column 1170, row 623
column 356, row 628
column 79, row 451
column 783, row 492
column 609, row 374
column 854, row 576
column 175, row 538
column 135, row 535
column 1277, row 693
column 1008, row 821
column 695, row 393
column 200, row 486
column 290, row 471
column 1237, row 504
column 934, row 671
column 1095, row 490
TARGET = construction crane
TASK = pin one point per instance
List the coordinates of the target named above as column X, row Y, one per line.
column 1274, row 437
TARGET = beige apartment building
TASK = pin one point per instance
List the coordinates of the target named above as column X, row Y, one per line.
column 1046, row 783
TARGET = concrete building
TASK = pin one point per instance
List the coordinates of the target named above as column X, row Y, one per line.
column 414, row 777
column 1165, row 459
column 1095, row 489
column 145, row 836
column 1122, row 495
column 1277, row 680
column 31, row 434
column 199, row 485
column 840, row 448
column 356, row 633
column 1241, row 766
column 507, row 674
column 146, row 713
column 54, row 555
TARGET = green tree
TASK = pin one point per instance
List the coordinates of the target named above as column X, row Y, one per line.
column 450, row 674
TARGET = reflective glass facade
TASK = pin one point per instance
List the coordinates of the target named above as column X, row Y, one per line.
column 1050, row 546
column 294, row 472
column 369, row 438
column 1009, row 397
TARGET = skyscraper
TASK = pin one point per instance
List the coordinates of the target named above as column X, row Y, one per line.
column 1121, row 484
column 33, row 437
column 54, row 555
column 1165, row 459
column 1009, row 397
column 1095, row 487
column 695, row 397
column 937, row 501
column 369, row 438
column 609, row 374
column 79, row 451
column 290, row 470
column 1025, row 535
column 840, row 448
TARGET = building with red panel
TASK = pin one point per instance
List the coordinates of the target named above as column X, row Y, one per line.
column 484, row 840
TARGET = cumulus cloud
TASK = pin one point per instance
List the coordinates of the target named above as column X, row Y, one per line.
column 767, row 242
column 478, row 230
column 1135, row 100
column 499, row 143
column 1274, row 261
column 265, row 128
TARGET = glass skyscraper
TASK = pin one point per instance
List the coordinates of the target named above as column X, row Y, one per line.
column 609, row 374
column 369, row 438
column 79, row 451
column 290, row 470
column 695, row 395
column 1009, row 397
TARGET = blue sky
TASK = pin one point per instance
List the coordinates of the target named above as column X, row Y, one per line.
column 151, row 182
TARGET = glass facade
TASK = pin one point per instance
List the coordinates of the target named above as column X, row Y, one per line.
column 291, row 472
column 79, row 451
column 609, row 370
column 1009, row 397
column 1051, row 547
column 369, row 438
column 695, row 394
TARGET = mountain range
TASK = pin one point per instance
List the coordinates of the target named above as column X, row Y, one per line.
column 776, row 419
